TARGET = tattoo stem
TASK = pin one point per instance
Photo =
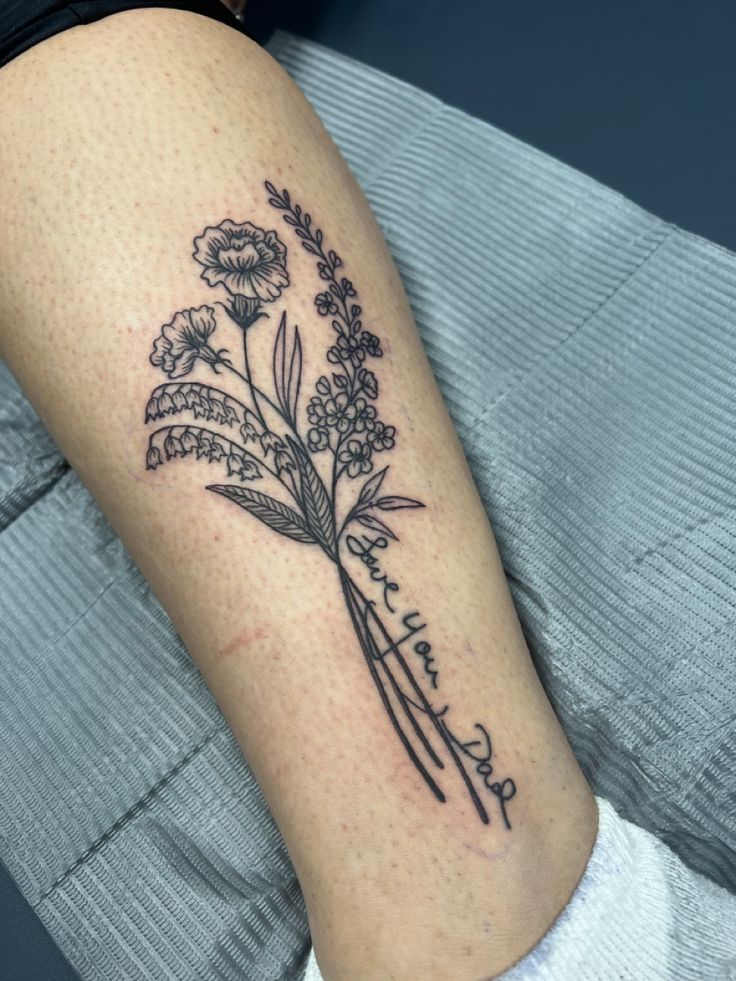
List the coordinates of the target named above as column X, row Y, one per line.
column 403, row 698
column 262, row 396
column 348, row 518
column 251, row 386
column 333, row 493
column 253, row 389
column 424, row 703
column 360, row 629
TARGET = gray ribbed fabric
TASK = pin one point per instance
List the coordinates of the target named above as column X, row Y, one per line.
column 586, row 351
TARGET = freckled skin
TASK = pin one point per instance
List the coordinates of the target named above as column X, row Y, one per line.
column 119, row 143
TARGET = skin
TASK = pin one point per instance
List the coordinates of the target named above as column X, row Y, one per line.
column 119, row 142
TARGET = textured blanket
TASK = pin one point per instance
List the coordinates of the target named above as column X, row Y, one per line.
column 587, row 353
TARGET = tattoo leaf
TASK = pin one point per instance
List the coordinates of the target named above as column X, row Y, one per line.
column 287, row 369
column 371, row 487
column 267, row 509
column 204, row 401
column 315, row 501
column 368, row 521
column 396, row 503
column 277, row 200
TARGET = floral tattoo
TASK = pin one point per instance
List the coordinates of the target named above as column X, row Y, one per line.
column 320, row 461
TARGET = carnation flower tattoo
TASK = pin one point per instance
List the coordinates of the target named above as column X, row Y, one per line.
column 247, row 261
column 317, row 459
column 181, row 342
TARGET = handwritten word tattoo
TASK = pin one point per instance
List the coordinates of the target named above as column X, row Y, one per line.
column 322, row 460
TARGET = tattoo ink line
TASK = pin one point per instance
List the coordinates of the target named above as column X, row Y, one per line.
column 261, row 438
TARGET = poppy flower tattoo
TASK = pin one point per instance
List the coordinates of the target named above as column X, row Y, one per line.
column 319, row 459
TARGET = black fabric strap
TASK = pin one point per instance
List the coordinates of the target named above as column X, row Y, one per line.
column 24, row 23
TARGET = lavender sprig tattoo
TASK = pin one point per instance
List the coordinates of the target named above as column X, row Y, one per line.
column 338, row 503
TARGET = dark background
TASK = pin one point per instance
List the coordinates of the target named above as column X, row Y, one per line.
column 637, row 93
column 640, row 94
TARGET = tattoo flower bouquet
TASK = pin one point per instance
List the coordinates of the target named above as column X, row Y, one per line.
column 328, row 478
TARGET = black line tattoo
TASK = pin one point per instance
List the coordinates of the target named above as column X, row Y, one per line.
column 259, row 436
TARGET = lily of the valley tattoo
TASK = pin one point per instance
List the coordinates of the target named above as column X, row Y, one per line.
column 330, row 487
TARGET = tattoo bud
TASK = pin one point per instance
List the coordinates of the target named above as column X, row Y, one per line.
column 153, row 458
column 248, row 431
column 173, row 447
column 209, row 356
column 245, row 310
column 318, row 439
column 165, row 404
column 270, row 441
column 152, row 409
column 283, row 462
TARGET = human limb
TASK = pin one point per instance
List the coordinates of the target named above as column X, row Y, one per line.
column 142, row 131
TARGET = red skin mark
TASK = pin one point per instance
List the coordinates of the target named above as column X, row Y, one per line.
column 502, row 852
column 242, row 641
